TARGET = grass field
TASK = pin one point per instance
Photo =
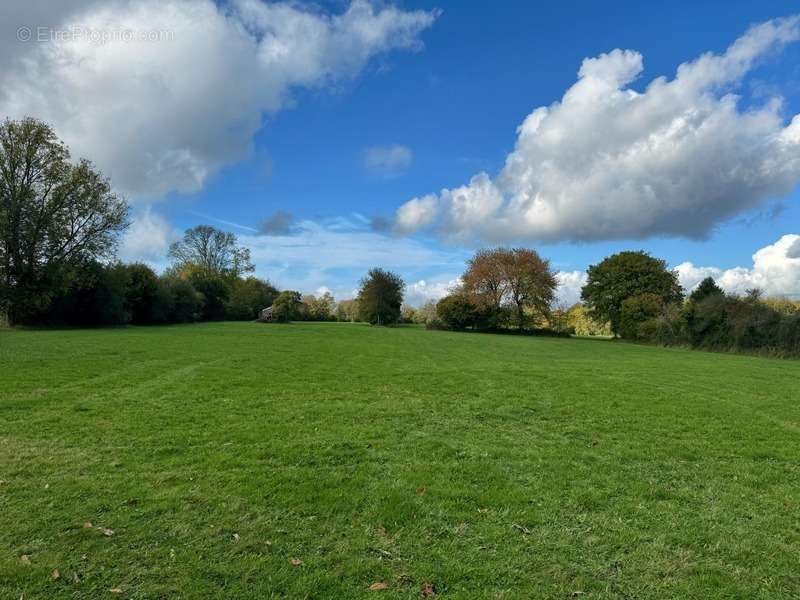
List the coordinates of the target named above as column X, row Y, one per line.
column 239, row 460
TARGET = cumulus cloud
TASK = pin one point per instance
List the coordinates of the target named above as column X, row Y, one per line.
column 387, row 160
column 422, row 291
column 147, row 239
column 775, row 270
column 162, row 116
column 569, row 287
column 609, row 162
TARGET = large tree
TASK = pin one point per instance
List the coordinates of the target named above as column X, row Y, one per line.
column 529, row 282
column 483, row 279
column 625, row 275
column 54, row 216
column 380, row 297
column 212, row 250
column 517, row 277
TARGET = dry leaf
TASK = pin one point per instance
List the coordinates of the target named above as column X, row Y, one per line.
column 297, row 562
column 106, row 531
column 524, row 530
column 55, row 574
column 115, row 590
column 25, row 558
column 421, row 490
column 428, row 590
column 235, row 537
column 87, row 525
column 378, row 585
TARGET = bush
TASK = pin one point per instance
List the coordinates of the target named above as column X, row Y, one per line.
column 142, row 299
column 457, row 311
column 638, row 315
column 248, row 297
column 749, row 324
column 184, row 304
column 287, row 306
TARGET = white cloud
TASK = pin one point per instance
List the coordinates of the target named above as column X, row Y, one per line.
column 162, row 116
column 387, row 160
column 569, row 287
column 147, row 239
column 422, row 291
column 775, row 270
column 608, row 162
column 336, row 255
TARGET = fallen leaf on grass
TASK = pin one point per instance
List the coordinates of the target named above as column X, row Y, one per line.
column 55, row 574
column 25, row 558
column 428, row 590
column 421, row 490
column 115, row 590
column 106, row 531
column 524, row 530
column 87, row 525
column 235, row 537
column 297, row 562
column 378, row 585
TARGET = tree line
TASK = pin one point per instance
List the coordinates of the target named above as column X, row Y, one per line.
column 630, row 295
column 60, row 223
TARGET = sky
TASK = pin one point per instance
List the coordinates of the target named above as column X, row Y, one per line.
column 332, row 137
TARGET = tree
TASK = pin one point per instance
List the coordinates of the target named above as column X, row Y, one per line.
column 321, row 308
column 484, row 279
column 141, row 293
column 457, row 311
column 708, row 287
column 286, row 306
column 347, row 310
column 636, row 312
column 54, row 216
column 529, row 281
column 625, row 275
column 581, row 323
column 212, row 250
column 248, row 297
column 185, row 304
column 380, row 297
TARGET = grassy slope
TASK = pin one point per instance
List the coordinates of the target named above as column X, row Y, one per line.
column 488, row 466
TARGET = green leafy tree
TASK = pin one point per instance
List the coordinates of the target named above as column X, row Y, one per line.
column 625, row 275
column 248, row 297
column 55, row 215
column 380, row 297
column 319, row 308
column 579, row 321
column 638, row 315
column 457, row 311
column 347, row 310
column 708, row 287
column 142, row 297
column 287, row 306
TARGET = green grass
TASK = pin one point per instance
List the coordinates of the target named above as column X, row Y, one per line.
column 487, row 466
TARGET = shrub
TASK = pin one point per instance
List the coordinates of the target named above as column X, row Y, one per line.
column 248, row 297
column 638, row 314
column 287, row 306
column 457, row 311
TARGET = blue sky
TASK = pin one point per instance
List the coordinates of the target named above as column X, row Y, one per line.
column 436, row 102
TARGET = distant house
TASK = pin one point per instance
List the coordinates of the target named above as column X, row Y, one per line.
column 266, row 314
